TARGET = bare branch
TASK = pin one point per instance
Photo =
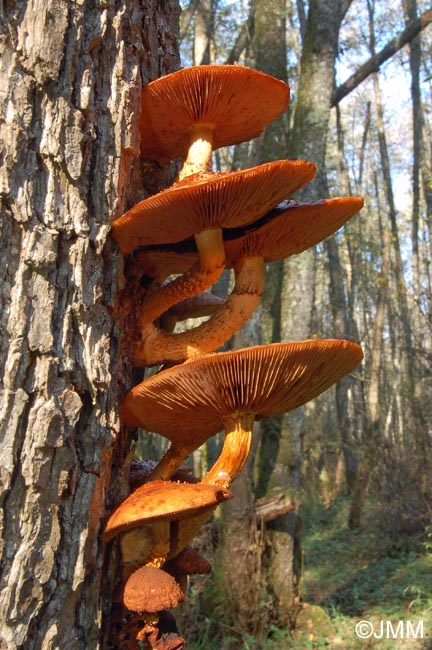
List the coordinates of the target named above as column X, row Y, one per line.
column 186, row 17
column 376, row 61
column 302, row 16
column 244, row 37
column 242, row 41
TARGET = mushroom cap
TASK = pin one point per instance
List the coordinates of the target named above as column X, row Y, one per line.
column 210, row 200
column 150, row 590
column 191, row 401
column 187, row 562
column 290, row 228
column 162, row 500
column 236, row 102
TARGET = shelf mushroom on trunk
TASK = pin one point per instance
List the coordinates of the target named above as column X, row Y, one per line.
column 230, row 390
column 287, row 230
column 195, row 110
column 203, row 206
column 145, row 519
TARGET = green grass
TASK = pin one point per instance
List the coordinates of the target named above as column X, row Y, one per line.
column 364, row 574
column 367, row 574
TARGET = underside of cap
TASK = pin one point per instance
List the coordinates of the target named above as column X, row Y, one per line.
column 288, row 229
column 235, row 101
column 216, row 200
column 189, row 402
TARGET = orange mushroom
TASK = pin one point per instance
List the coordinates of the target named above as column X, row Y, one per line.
column 187, row 562
column 151, row 590
column 148, row 592
column 190, row 112
column 229, row 390
column 287, row 230
column 206, row 203
column 202, row 207
column 144, row 519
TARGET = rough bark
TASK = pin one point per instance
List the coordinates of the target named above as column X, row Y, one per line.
column 70, row 75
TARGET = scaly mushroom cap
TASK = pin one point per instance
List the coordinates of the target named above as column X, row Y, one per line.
column 162, row 500
column 190, row 402
column 234, row 101
column 208, row 201
column 150, row 590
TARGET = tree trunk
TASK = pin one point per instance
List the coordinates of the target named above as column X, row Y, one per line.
column 70, row 75
column 203, row 30
column 417, row 116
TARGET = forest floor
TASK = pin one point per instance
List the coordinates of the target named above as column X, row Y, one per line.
column 378, row 578
column 375, row 578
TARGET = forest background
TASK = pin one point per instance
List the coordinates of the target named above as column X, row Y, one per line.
column 347, row 478
column 355, row 463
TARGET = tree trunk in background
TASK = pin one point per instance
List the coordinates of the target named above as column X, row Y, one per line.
column 203, row 29
column 417, row 114
column 371, row 398
column 311, row 119
column 70, row 75
column 268, row 52
column 293, row 281
column 347, row 456
column 308, row 141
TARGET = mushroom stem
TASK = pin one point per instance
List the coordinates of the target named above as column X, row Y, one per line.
column 238, row 435
column 173, row 458
column 158, row 346
column 168, row 322
column 160, row 543
column 212, row 263
column 200, row 150
column 188, row 529
column 136, row 549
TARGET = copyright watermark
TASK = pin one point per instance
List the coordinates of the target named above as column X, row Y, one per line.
column 389, row 630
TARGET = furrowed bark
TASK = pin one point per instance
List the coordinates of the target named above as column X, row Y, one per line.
column 70, row 75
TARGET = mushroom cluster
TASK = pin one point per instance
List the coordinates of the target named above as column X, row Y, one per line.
column 205, row 222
